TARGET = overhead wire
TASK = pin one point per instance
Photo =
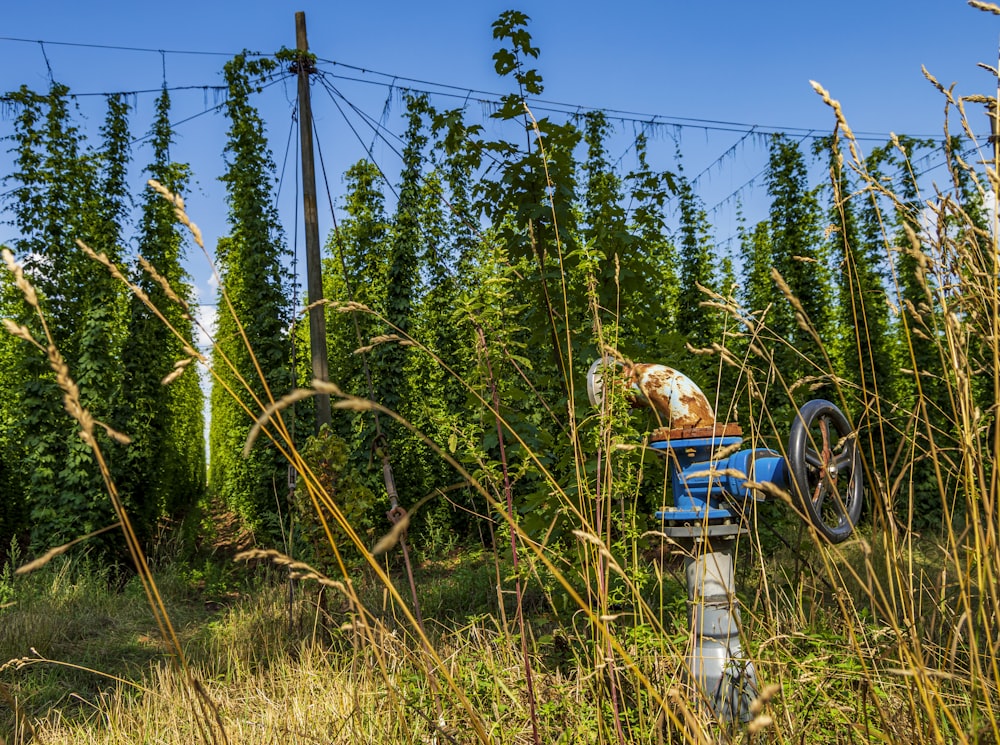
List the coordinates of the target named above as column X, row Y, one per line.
column 334, row 95
column 384, row 134
column 210, row 110
column 284, row 164
column 392, row 80
column 548, row 105
column 380, row 133
column 649, row 123
column 121, row 48
column 48, row 65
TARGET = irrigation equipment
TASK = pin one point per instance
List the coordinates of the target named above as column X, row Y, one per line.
column 714, row 483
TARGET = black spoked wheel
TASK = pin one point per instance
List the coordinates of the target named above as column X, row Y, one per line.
column 826, row 469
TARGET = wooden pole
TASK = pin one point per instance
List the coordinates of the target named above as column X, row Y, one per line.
column 314, row 267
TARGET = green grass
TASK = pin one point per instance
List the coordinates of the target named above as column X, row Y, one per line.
column 302, row 672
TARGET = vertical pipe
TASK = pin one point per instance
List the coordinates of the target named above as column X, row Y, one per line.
column 314, row 270
column 726, row 681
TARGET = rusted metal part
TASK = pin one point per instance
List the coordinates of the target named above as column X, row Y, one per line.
column 691, row 433
column 673, row 395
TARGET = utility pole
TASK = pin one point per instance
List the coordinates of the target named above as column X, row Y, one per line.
column 314, row 267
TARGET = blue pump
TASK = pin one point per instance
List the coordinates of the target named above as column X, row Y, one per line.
column 713, row 484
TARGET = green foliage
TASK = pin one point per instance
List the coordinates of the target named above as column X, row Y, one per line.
column 512, row 26
column 328, row 458
column 655, row 295
column 63, row 193
column 253, row 351
column 864, row 348
column 576, row 256
column 162, row 472
column 698, row 325
column 756, row 251
column 401, row 281
column 799, row 257
column 920, row 333
column 356, row 271
column 627, row 271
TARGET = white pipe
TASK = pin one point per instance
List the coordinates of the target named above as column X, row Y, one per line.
column 715, row 658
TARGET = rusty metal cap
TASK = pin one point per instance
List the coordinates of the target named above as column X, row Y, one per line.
column 696, row 433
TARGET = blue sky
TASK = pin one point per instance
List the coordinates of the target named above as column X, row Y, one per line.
column 692, row 63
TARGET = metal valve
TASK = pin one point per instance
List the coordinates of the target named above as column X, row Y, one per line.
column 713, row 482
column 821, row 469
column 825, row 466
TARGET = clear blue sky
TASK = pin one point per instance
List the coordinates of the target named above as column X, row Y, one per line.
column 743, row 62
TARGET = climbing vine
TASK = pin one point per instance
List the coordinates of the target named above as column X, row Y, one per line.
column 252, row 355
